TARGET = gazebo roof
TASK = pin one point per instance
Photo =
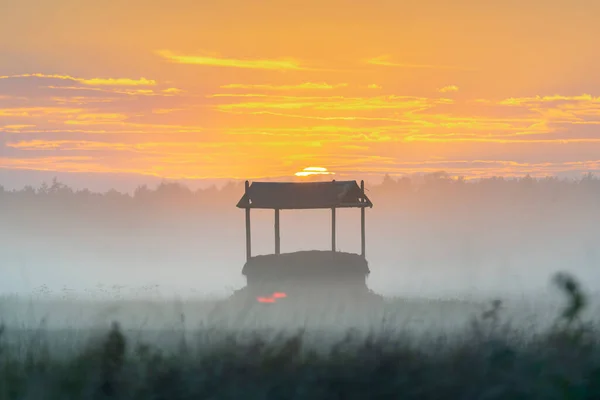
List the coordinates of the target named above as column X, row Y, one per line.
column 304, row 195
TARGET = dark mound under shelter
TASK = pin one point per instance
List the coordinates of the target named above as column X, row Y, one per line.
column 306, row 265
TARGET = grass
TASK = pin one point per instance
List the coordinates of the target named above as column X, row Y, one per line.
column 488, row 358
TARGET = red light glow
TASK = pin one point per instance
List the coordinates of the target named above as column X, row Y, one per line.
column 272, row 299
column 265, row 300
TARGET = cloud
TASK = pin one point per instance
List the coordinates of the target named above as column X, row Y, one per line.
column 384, row 61
column 81, row 100
column 57, row 163
column 161, row 148
column 65, row 145
column 314, row 117
column 447, row 138
column 88, row 81
column 115, row 90
column 92, row 120
column 230, row 62
column 163, row 111
column 47, row 89
column 518, row 101
column 337, row 103
column 319, row 130
column 16, row 127
column 173, row 90
column 349, row 165
column 578, row 109
column 163, row 133
column 448, row 89
column 300, row 86
column 323, row 134
column 272, row 97
column 37, row 111
column 117, row 82
column 374, row 86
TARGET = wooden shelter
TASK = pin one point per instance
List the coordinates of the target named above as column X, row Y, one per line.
column 303, row 196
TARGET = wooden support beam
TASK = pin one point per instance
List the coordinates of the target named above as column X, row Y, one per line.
column 362, row 221
column 333, row 246
column 248, row 236
column 277, row 238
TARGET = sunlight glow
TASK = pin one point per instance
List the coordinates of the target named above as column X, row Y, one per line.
column 308, row 171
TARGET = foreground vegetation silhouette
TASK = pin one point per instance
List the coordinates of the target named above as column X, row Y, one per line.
column 490, row 361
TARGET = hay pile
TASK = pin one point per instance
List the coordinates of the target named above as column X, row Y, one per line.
column 306, row 264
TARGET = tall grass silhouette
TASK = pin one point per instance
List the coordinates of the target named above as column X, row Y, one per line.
column 488, row 360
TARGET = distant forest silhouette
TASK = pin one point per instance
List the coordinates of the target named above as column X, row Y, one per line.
column 441, row 202
column 437, row 190
column 433, row 230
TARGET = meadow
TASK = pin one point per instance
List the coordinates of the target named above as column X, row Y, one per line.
column 425, row 349
column 474, row 309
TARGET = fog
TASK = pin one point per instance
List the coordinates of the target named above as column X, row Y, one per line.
column 433, row 237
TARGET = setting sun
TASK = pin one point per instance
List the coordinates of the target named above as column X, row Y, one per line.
column 308, row 171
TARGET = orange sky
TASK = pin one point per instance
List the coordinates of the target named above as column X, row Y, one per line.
column 186, row 89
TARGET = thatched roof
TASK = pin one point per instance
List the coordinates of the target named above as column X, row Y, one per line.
column 304, row 195
column 306, row 264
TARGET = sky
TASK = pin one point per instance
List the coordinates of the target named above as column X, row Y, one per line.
column 109, row 92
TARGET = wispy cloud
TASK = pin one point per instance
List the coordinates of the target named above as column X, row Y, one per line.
column 577, row 109
column 213, row 61
column 65, row 145
column 63, row 118
column 16, row 127
column 315, row 117
column 121, row 90
column 448, row 138
column 166, row 135
column 117, row 82
column 58, row 163
column 113, row 90
column 518, row 101
column 88, row 81
column 173, row 90
column 89, row 145
column 300, row 86
column 148, row 148
column 448, row 89
column 385, row 61
column 338, row 103
column 37, row 111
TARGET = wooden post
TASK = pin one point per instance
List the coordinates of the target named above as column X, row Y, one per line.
column 333, row 229
column 277, row 239
column 362, row 221
column 248, row 237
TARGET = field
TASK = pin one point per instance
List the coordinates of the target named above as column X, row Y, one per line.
column 61, row 348
column 450, row 248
